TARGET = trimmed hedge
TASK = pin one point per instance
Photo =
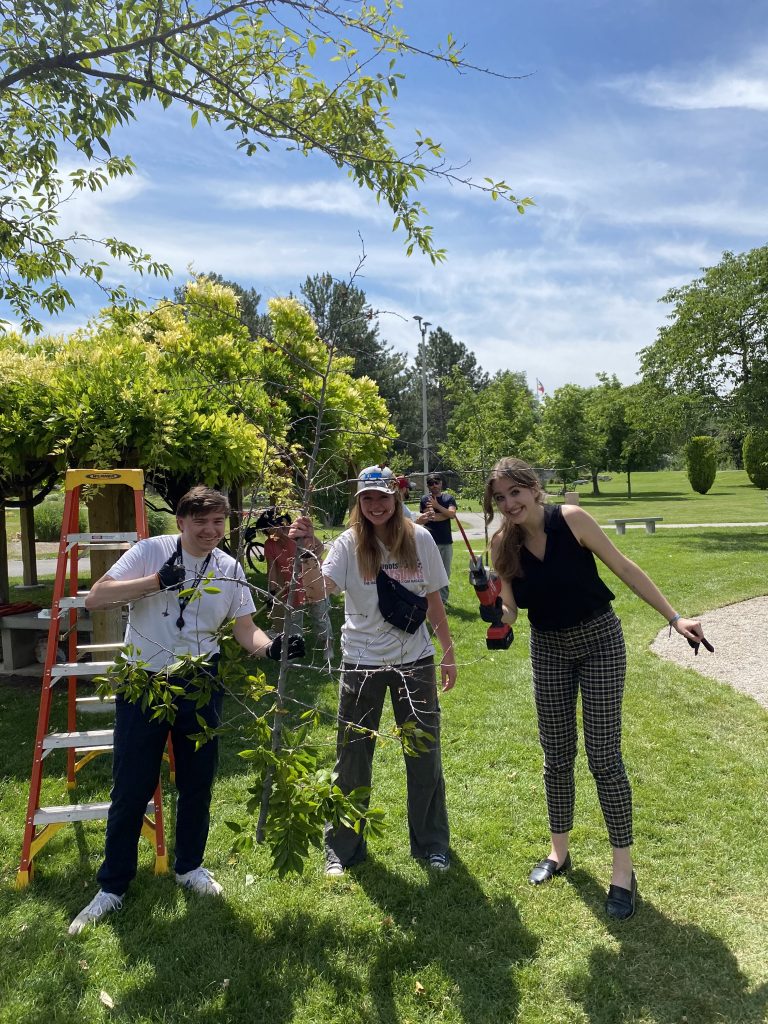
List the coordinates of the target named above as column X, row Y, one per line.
column 48, row 517
column 159, row 522
column 701, row 463
column 755, row 453
column 49, row 514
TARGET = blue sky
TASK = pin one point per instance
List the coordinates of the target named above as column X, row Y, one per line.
column 640, row 132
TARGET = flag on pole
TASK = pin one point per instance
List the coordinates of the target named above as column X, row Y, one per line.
column 539, row 387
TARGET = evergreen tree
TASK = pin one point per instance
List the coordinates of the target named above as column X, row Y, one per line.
column 445, row 358
column 343, row 316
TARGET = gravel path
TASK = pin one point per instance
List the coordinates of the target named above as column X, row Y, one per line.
column 738, row 633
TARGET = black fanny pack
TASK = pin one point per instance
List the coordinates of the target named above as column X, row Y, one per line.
column 399, row 606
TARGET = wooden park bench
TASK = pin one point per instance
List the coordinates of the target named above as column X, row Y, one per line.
column 650, row 523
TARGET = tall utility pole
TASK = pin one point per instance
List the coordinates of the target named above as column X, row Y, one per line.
column 423, row 325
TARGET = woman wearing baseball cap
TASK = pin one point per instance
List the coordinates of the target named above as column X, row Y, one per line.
column 390, row 572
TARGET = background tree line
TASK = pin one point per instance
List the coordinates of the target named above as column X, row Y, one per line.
column 705, row 374
column 211, row 387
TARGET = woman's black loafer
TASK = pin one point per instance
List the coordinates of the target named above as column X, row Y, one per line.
column 546, row 869
column 620, row 904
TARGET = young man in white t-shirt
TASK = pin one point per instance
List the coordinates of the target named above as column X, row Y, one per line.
column 162, row 625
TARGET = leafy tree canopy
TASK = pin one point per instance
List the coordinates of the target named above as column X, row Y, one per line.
column 571, row 437
column 716, row 344
column 183, row 392
column 315, row 77
column 27, row 433
column 248, row 301
column 632, row 432
column 484, row 427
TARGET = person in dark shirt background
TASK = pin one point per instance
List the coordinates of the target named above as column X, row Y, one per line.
column 544, row 555
column 440, row 507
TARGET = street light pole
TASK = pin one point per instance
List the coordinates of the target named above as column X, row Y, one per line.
column 423, row 325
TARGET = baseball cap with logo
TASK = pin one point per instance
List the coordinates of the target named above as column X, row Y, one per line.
column 374, row 478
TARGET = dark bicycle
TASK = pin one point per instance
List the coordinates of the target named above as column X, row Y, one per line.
column 253, row 547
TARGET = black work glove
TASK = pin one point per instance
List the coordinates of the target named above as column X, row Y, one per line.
column 492, row 612
column 171, row 574
column 296, row 648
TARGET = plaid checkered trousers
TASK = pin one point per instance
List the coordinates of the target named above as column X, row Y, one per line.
column 590, row 657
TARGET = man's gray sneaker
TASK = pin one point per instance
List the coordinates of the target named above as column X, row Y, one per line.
column 201, row 881
column 103, row 903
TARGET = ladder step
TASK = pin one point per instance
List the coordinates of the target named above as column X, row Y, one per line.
column 76, row 812
column 81, row 668
column 95, row 704
column 101, row 738
column 78, row 601
column 96, row 648
column 65, row 603
column 92, row 539
column 103, row 547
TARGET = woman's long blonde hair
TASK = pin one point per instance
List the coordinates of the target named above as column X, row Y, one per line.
column 508, row 539
column 400, row 539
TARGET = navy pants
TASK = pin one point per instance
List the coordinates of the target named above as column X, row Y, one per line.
column 138, row 752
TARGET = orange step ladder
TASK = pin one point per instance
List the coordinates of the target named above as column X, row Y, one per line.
column 42, row 823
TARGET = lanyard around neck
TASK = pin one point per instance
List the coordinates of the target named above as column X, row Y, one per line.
column 199, row 575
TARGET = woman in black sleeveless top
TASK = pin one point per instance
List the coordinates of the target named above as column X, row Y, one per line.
column 544, row 555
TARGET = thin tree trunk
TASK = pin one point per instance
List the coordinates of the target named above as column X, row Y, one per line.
column 282, row 678
column 5, row 586
column 235, row 523
column 28, row 553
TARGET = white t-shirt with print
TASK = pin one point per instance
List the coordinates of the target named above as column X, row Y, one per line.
column 366, row 638
column 152, row 627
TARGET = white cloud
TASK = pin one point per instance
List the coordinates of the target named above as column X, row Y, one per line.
column 744, row 87
column 643, row 174
column 326, row 197
column 517, row 310
column 686, row 254
column 93, row 213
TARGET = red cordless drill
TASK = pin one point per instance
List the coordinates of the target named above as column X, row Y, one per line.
column 488, row 589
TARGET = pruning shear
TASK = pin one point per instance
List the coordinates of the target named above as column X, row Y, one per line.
column 695, row 645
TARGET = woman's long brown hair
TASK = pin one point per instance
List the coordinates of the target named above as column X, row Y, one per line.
column 400, row 539
column 508, row 539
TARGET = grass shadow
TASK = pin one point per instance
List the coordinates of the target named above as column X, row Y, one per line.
column 739, row 543
column 210, row 964
column 184, row 958
column 622, row 499
column 476, row 941
column 662, row 970
column 457, row 612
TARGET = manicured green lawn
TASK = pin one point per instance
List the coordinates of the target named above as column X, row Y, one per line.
column 732, row 499
column 388, row 943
